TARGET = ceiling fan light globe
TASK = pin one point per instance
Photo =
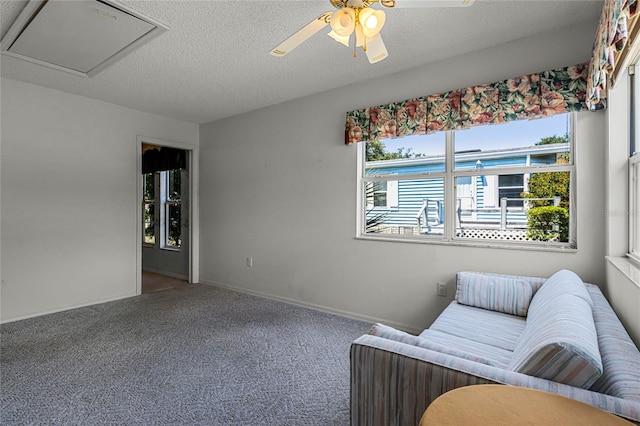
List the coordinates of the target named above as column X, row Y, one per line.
column 372, row 21
column 343, row 21
column 340, row 39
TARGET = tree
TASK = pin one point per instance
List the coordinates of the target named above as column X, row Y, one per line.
column 554, row 139
column 545, row 223
column 549, row 185
column 376, row 151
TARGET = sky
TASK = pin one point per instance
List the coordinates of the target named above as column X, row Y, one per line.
column 521, row 133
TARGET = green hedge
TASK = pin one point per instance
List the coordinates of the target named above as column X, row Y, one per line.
column 548, row 223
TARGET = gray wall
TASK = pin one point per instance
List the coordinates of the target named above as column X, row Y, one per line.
column 69, row 197
column 278, row 185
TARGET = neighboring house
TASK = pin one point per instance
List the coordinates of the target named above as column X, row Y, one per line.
column 485, row 201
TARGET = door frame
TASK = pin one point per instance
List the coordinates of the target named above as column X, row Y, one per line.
column 194, row 219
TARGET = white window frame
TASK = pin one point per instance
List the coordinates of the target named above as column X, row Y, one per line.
column 634, row 207
column 634, row 160
column 449, row 176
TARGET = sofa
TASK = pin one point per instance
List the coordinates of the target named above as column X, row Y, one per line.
column 554, row 334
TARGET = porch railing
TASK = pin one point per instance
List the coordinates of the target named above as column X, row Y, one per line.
column 431, row 213
column 504, row 202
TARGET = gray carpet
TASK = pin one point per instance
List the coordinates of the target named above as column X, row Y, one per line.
column 199, row 355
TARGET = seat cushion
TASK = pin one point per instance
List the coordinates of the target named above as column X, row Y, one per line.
column 501, row 294
column 559, row 343
column 480, row 325
column 391, row 333
column 493, row 355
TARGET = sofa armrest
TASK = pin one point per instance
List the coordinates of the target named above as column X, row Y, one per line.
column 392, row 383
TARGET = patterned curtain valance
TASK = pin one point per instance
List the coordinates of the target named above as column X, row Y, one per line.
column 525, row 97
column 611, row 37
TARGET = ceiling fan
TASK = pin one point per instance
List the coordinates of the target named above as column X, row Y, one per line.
column 357, row 16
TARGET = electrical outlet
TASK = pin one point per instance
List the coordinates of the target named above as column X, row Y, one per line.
column 250, row 262
column 442, row 289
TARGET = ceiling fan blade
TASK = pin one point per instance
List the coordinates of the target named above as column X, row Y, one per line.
column 376, row 50
column 402, row 4
column 302, row 35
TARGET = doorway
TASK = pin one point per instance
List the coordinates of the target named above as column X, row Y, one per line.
column 165, row 182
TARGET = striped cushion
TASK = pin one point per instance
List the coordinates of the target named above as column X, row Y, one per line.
column 391, row 333
column 495, row 356
column 620, row 357
column 480, row 325
column 534, row 282
column 562, row 282
column 560, row 343
column 496, row 293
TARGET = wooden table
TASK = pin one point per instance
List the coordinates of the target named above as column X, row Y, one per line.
column 512, row 405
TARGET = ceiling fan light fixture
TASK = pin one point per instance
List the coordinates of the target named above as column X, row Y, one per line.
column 357, row 16
column 343, row 21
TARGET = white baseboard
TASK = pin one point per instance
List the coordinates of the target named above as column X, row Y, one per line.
column 321, row 308
column 66, row 308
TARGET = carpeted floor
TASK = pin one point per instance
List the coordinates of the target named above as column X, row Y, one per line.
column 195, row 355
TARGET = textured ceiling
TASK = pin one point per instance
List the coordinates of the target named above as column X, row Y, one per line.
column 214, row 62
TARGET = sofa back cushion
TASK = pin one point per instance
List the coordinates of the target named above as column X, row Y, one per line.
column 534, row 282
column 510, row 295
column 559, row 342
column 560, row 283
column 620, row 357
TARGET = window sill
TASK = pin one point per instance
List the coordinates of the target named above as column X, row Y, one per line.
column 176, row 249
column 629, row 267
column 565, row 248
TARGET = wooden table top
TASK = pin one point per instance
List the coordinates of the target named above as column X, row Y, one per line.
column 512, row 405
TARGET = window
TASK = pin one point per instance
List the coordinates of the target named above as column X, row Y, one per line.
column 500, row 183
column 162, row 216
column 382, row 195
column 509, row 188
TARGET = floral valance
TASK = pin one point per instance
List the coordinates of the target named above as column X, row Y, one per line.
column 526, row 97
column 611, row 37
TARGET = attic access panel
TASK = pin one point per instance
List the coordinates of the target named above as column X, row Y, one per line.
column 82, row 37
